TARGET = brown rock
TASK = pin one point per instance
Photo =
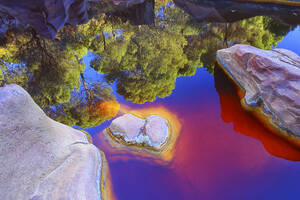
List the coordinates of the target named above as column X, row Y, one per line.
column 270, row 79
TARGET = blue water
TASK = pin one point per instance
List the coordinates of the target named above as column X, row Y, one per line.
column 215, row 159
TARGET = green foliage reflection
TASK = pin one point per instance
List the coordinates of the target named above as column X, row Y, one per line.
column 144, row 61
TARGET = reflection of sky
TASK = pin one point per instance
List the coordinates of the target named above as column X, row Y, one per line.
column 210, row 156
column 213, row 161
column 291, row 41
column 89, row 73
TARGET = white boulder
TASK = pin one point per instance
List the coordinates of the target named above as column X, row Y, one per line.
column 41, row 159
column 150, row 132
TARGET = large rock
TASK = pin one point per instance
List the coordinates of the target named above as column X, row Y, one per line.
column 231, row 11
column 151, row 132
column 42, row 159
column 244, row 123
column 271, row 81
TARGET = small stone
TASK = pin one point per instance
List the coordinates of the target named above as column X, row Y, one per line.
column 151, row 132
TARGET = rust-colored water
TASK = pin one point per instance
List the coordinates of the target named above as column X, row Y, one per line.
column 222, row 152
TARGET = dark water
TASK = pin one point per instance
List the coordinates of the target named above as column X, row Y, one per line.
column 88, row 74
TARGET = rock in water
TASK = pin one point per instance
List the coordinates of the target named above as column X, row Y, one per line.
column 42, row 159
column 151, row 132
column 271, row 81
column 157, row 129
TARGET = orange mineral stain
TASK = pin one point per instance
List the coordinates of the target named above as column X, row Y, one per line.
column 164, row 155
column 108, row 108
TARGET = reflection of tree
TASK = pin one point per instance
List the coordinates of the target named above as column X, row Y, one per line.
column 146, row 66
column 144, row 61
column 261, row 32
column 50, row 71
column 50, row 68
column 176, row 21
column 147, row 60
column 87, row 110
column 1, row 75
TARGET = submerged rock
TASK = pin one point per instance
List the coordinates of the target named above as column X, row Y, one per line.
column 41, row 158
column 151, row 132
column 271, row 81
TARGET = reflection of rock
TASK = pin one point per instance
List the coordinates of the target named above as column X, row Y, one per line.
column 271, row 81
column 231, row 11
column 41, row 158
column 150, row 132
column 126, row 3
column 49, row 16
column 140, row 14
column 246, row 123
column 46, row 16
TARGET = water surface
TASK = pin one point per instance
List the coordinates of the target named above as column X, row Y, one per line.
column 91, row 73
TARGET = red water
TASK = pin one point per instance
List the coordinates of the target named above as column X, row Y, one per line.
column 222, row 151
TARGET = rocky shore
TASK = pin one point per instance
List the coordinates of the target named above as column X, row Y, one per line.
column 43, row 159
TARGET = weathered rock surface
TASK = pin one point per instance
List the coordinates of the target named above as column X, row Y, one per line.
column 231, row 11
column 150, row 132
column 42, row 159
column 271, row 80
